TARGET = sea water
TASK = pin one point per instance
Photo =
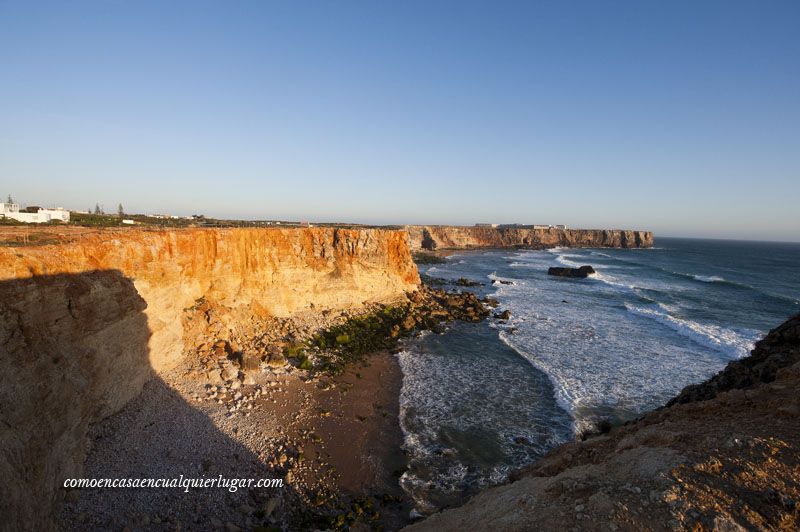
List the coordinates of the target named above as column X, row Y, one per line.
column 481, row 400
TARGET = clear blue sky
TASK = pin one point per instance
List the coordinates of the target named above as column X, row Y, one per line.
column 680, row 117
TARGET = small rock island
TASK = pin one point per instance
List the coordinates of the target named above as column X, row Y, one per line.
column 576, row 273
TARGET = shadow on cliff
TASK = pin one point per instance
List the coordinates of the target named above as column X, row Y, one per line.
column 73, row 361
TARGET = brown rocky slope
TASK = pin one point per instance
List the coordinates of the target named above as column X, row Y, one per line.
column 431, row 237
column 723, row 455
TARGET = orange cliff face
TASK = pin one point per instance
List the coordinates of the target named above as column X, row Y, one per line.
column 432, row 237
column 277, row 272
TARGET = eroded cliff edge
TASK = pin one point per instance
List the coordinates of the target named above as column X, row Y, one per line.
column 432, row 237
column 84, row 324
column 276, row 272
column 722, row 455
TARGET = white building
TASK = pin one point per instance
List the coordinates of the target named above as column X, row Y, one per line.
column 11, row 210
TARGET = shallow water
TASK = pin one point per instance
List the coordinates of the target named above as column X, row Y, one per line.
column 482, row 399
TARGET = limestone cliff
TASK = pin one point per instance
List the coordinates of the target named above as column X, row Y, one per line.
column 274, row 271
column 83, row 325
column 431, row 237
column 73, row 350
column 724, row 455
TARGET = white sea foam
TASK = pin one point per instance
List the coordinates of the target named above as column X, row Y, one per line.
column 562, row 259
column 455, row 396
column 612, row 281
column 728, row 341
column 708, row 278
column 598, row 358
column 632, row 286
column 507, row 281
column 615, row 346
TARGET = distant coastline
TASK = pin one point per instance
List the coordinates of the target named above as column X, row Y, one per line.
column 437, row 237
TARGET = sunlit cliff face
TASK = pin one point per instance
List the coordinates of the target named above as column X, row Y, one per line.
column 443, row 237
column 274, row 271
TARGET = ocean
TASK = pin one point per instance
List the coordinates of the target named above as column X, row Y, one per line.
column 481, row 400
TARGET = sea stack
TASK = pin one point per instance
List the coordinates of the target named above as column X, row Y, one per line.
column 579, row 273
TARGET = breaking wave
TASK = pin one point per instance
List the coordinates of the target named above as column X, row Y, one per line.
column 708, row 278
column 724, row 340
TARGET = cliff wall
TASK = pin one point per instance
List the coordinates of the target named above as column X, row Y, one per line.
column 723, row 455
column 84, row 324
column 73, row 350
column 430, row 237
column 276, row 272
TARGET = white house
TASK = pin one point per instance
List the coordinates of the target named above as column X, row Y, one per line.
column 11, row 210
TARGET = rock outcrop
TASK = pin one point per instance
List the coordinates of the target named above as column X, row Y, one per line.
column 431, row 237
column 578, row 273
column 84, row 324
column 725, row 455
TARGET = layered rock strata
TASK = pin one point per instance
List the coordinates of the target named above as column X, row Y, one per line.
column 273, row 272
column 433, row 237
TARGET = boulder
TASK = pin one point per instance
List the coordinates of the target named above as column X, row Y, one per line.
column 250, row 362
column 230, row 373
column 505, row 315
column 276, row 361
column 221, row 349
column 577, row 273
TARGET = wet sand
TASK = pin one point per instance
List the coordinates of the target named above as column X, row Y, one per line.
column 359, row 422
column 352, row 437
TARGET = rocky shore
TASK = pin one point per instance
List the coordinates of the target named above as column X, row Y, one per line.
column 310, row 400
column 722, row 455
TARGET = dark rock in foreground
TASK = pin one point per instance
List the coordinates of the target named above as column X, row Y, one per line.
column 722, row 455
column 779, row 349
column 578, row 273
